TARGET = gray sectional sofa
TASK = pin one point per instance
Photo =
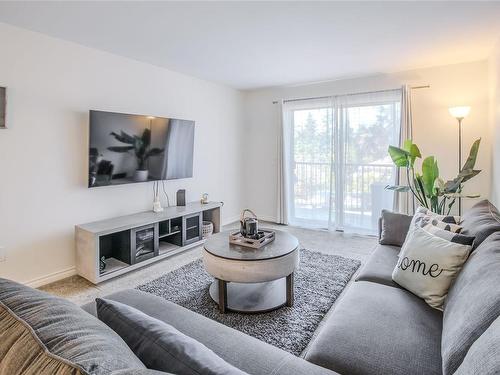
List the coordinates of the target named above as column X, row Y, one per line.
column 377, row 327
column 380, row 328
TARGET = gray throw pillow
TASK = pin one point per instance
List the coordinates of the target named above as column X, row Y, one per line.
column 481, row 221
column 159, row 345
column 428, row 264
column 394, row 227
column 45, row 335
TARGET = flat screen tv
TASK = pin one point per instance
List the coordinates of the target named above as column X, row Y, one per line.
column 126, row 148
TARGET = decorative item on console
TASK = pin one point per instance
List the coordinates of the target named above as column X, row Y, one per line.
column 207, row 229
column 181, row 197
column 204, row 198
column 156, row 199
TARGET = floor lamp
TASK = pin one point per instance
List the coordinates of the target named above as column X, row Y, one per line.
column 459, row 113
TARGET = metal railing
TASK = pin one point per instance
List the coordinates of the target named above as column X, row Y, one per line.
column 362, row 185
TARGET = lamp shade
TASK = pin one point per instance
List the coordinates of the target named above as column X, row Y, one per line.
column 459, row 112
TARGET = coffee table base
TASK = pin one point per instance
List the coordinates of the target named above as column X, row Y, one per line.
column 252, row 298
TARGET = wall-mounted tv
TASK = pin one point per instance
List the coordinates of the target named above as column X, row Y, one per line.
column 126, row 148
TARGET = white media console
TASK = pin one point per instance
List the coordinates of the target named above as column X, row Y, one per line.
column 133, row 241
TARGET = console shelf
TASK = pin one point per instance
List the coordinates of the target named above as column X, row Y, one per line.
column 133, row 241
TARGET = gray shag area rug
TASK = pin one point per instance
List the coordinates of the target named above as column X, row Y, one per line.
column 318, row 282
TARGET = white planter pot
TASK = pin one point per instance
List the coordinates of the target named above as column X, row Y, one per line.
column 141, row 175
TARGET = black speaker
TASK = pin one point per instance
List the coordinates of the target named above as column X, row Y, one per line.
column 181, row 197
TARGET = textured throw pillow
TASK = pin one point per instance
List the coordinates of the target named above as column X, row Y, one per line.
column 428, row 264
column 45, row 335
column 394, row 227
column 425, row 218
column 159, row 345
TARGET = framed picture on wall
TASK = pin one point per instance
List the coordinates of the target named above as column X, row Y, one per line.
column 3, row 107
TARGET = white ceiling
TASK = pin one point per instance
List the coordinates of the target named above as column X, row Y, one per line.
column 248, row 45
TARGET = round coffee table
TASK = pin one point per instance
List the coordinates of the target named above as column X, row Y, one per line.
column 251, row 280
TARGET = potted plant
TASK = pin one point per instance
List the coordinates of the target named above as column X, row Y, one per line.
column 428, row 188
column 140, row 145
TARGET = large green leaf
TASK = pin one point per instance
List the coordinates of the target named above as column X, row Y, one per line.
column 399, row 156
column 471, row 159
column 398, row 188
column 419, row 185
column 412, row 150
column 453, row 186
column 430, row 172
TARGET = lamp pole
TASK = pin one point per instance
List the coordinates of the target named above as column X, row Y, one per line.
column 459, row 113
column 460, row 162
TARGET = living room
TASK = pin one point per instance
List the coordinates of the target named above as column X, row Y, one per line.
column 262, row 230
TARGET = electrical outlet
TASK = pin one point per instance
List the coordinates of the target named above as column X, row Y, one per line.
column 3, row 254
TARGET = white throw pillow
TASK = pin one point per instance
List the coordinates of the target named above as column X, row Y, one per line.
column 428, row 264
column 425, row 218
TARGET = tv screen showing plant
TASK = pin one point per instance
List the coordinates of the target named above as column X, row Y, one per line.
column 127, row 148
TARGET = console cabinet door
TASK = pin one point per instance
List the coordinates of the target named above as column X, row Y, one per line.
column 144, row 243
column 191, row 228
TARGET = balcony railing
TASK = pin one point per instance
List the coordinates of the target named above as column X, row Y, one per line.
column 363, row 192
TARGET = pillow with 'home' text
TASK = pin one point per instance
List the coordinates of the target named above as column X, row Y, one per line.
column 428, row 264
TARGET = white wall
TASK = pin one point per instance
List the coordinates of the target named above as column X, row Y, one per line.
column 435, row 131
column 494, row 80
column 52, row 84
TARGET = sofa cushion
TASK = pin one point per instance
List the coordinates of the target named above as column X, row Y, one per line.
column 483, row 356
column 377, row 329
column 480, row 221
column 67, row 337
column 379, row 267
column 22, row 351
column 159, row 345
column 473, row 302
column 242, row 351
column 428, row 264
column 394, row 227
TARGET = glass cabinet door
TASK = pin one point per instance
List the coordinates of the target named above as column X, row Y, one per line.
column 144, row 243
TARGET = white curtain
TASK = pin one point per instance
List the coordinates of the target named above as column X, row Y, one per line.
column 404, row 202
column 333, row 164
column 283, row 171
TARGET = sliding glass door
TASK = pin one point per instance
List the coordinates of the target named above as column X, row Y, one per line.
column 338, row 162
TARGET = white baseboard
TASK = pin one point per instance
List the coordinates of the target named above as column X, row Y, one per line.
column 52, row 277
column 231, row 220
column 236, row 218
column 268, row 218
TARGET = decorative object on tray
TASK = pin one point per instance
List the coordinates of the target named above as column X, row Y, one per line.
column 260, row 239
column 204, row 198
column 249, row 226
column 428, row 188
column 207, row 229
